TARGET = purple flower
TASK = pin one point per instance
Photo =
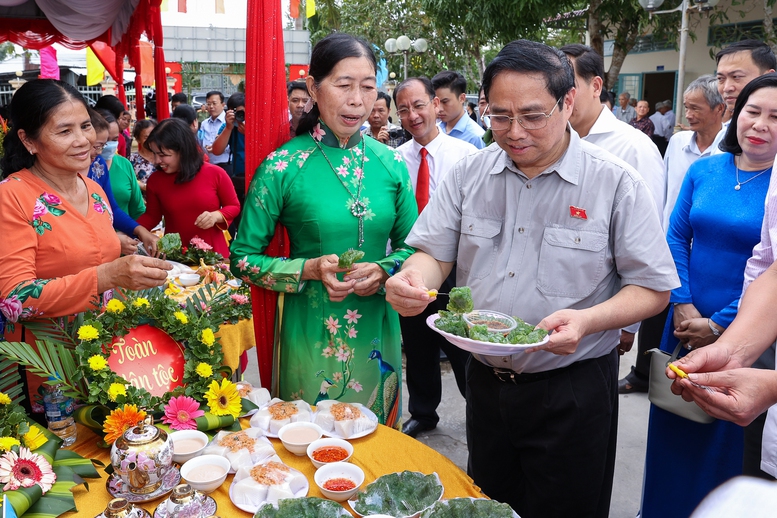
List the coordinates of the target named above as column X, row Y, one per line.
column 11, row 308
column 51, row 199
column 39, row 210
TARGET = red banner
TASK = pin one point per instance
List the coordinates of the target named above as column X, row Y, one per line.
column 148, row 358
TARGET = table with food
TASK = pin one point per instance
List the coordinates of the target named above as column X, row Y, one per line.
column 289, row 459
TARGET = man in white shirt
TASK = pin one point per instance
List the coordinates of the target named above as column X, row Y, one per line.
column 597, row 125
column 669, row 118
column 429, row 156
column 704, row 108
column 738, row 64
column 661, row 134
column 209, row 129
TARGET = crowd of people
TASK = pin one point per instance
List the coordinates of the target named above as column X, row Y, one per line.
column 600, row 224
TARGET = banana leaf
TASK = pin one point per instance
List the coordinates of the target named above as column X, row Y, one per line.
column 50, row 360
column 10, row 381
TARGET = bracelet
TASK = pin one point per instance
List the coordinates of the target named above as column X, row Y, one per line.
column 713, row 328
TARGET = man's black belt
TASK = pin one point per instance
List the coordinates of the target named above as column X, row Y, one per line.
column 518, row 378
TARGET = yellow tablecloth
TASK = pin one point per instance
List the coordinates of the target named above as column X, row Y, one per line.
column 235, row 339
column 384, row 451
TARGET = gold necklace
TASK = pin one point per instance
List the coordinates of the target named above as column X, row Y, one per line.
column 357, row 207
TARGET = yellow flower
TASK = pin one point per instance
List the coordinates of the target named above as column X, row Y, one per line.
column 120, row 419
column 88, row 333
column 224, row 399
column 204, row 370
column 97, row 362
column 6, row 443
column 207, row 337
column 140, row 302
column 34, row 439
column 4, row 399
column 181, row 316
column 116, row 390
column 115, row 306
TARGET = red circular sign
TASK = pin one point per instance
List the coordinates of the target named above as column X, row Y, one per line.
column 148, row 358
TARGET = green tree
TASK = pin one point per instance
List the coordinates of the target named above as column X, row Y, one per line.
column 450, row 46
column 6, row 50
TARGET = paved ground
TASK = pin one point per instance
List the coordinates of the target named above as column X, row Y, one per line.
column 449, row 438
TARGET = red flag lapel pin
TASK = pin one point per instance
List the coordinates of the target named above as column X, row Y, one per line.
column 577, row 212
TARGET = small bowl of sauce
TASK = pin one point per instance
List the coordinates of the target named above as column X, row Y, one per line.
column 187, row 444
column 297, row 436
column 329, row 450
column 494, row 321
column 339, row 481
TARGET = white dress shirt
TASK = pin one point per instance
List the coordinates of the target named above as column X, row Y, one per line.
column 633, row 147
column 669, row 121
column 681, row 152
column 660, row 125
column 721, row 135
column 209, row 129
column 636, row 149
column 444, row 152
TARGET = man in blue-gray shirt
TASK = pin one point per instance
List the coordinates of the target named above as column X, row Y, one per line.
column 451, row 89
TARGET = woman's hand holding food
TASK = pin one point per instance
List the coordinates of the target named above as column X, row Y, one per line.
column 208, row 219
column 368, row 277
column 407, row 293
column 149, row 240
column 696, row 332
column 129, row 245
column 134, row 272
column 325, row 269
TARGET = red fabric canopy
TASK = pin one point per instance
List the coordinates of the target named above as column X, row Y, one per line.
column 36, row 33
column 265, row 100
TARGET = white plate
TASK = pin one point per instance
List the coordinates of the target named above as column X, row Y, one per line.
column 267, row 432
column 178, row 269
column 352, row 501
column 262, row 438
column 364, row 410
column 478, row 347
column 303, row 491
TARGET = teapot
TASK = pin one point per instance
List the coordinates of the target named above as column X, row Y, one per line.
column 142, row 456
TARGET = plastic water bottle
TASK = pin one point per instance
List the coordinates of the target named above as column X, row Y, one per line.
column 59, row 413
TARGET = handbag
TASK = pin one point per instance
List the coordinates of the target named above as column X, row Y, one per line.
column 660, row 393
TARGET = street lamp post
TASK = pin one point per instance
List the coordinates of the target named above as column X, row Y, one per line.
column 685, row 7
column 403, row 44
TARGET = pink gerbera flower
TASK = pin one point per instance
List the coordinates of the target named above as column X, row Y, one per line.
column 25, row 469
column 181, row 412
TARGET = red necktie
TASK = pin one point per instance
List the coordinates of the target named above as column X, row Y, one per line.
column 422, row 184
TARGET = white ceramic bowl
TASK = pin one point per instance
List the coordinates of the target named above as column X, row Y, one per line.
column 189, row 279
column 193, row 435
column 206, row 485
column 339, row 470
column 329, row 441
column 299, row 447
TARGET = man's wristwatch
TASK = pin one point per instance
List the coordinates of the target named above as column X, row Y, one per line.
column 713, row 328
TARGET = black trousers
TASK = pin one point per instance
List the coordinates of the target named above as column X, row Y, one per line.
column 546, row 446
column 422, row 351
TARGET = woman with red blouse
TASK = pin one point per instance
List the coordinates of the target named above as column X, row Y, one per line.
column 196, row 199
